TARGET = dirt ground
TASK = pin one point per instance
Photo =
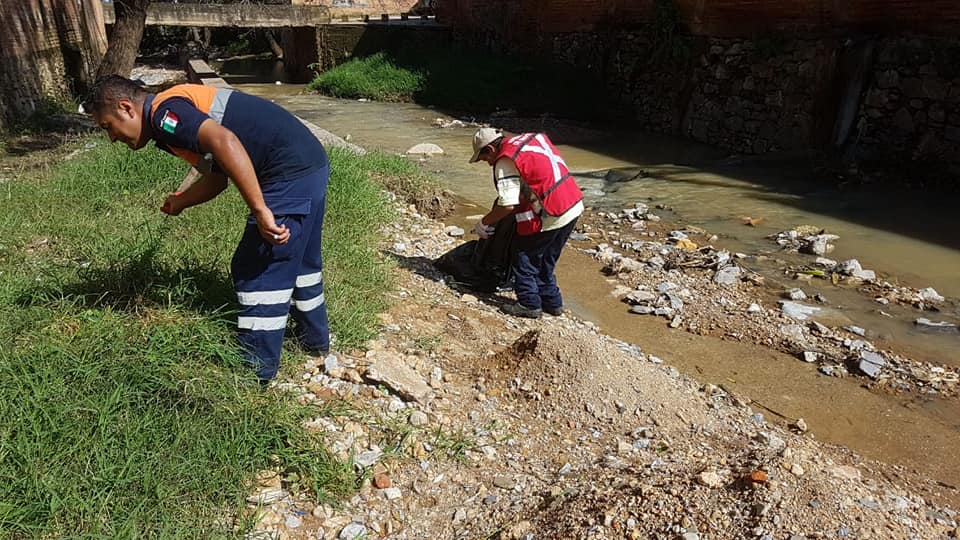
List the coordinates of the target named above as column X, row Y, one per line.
column 496, row 427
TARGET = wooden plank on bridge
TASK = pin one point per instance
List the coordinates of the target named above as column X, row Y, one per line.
column 236, row 15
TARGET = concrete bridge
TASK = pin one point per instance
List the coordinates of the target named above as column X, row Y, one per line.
column 308, row 34
column 235, row 15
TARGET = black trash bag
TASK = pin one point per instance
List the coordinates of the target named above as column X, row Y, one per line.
column 481, row 265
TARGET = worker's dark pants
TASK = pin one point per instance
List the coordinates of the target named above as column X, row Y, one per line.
column 269, row 278
column 533, row 263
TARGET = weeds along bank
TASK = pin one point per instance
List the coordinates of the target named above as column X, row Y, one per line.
column 128, row 411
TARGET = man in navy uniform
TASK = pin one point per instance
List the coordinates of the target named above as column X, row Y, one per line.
column 281, row 171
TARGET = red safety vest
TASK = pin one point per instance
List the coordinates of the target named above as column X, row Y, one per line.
column 544, row 177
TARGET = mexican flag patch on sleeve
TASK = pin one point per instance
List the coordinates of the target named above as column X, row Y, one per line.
column 169, row 122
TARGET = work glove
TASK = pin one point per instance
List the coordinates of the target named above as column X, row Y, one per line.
column 483, row 231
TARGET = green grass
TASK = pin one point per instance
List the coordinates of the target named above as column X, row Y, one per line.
column 469, row 80
column 373, row 77
column 127, row 412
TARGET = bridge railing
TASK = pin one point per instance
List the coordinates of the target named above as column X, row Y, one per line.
column 236, row 15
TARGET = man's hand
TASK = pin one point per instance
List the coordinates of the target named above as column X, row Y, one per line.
column 171, row 205
column 269, row 230
column 483, row 231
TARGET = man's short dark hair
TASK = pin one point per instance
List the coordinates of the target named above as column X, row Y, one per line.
column 109, row 90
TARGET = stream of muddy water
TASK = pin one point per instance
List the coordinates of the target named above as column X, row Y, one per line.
column 907, row 237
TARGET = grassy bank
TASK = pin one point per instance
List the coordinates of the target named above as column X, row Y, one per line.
column 128, row 414
column 467, row 80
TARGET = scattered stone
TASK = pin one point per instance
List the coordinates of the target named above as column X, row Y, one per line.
column 800, row 425
column 382, row 481
column 453, row 231
column 267, row 496
column 754, row 308
column 871, row 363
column 353, row 531
column 641, row 297
column 795, row 294
column 642, row 310
column 729, row 275
column 798, row 311
column 810, row 356
column 368, row 458
column 330, row 363
column 845, row 472
column 941, row 326
column 469, row 299
column 818, row 244
column 710, row 479
column 849, row 267
column 930, row 295
column 855, row 330
column 504, row 482
column 425, row 149
column 293, row 522
column 392, row 493
column 419, row 418
column 389, row 370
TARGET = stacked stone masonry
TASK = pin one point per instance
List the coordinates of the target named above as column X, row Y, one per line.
column 766, row 95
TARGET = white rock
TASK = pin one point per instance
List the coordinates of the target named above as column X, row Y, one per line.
column 930, row 295
column 419, row 418
column 392, row 493
column 809, row 356
column 366, row 459
column 849, row 267
column 267, row 496
column 729, row 275
column 710, row 479
column 754, row 308
column 391, row 371
column 353, row 531
column 425, row 149
column 796, row 294
column 292, row 522
column 453, row 231
column 798, row 311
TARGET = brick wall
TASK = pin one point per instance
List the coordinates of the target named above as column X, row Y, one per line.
column 49, row 49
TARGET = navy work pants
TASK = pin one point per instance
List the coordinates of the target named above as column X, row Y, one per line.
column 534, row 259
column 270, row 279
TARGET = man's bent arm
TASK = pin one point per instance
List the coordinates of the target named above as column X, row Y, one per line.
column 233, row 159
column 203, row 190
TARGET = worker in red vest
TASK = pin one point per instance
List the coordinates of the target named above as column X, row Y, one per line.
column 281, row 171
column 534, row 186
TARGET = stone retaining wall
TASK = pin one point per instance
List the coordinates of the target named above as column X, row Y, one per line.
column 892, row 103
column 340, row 43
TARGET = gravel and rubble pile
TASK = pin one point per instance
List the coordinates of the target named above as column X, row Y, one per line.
column 680, row 276
column 468, row 423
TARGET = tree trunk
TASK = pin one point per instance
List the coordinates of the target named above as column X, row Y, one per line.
column 124, row 42
column 274, row 46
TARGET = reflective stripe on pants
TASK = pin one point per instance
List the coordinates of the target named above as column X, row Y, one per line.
column 269, row 279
